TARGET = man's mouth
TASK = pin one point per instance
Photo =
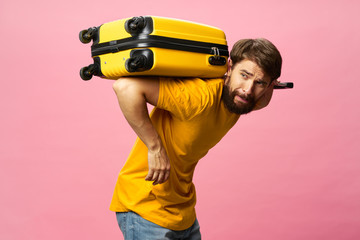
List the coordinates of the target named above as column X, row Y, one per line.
column 240, row 99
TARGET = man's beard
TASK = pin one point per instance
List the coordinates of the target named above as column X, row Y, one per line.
column 228, row 98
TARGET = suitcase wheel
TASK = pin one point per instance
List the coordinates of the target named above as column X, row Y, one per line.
column 87, row 35
column 140, row 60
column 135, row 63
column 135, row 25
column 86, row 73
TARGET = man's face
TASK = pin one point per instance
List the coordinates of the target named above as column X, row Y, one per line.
column 245, row 84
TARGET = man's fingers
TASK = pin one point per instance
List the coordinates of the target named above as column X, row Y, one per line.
column 150, row 175
column 155, row 176
column 160, row 178
column 163, row 177
column 167, row 174
column 159, row 166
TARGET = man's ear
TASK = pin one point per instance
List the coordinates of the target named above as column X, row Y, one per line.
column 229, row 67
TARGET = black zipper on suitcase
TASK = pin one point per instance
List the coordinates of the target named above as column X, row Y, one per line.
column 140, row 29
column 147, row 41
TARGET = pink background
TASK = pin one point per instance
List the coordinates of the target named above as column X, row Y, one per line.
column 289, row 172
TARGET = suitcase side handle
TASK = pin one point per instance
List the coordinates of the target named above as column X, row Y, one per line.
column 217, row 60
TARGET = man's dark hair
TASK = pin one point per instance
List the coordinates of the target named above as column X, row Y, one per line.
column 261, row 51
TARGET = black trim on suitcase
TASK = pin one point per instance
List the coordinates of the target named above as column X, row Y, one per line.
column 146, row 41
column 97, row 62
column 96, row 38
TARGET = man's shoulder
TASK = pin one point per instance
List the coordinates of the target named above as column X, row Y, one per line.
column 195, row 85
column 214, row 85
column 188, row 97
column 195, row 80
column 214, row 82
column 206, row 83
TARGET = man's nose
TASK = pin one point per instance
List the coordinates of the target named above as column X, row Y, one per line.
column 249, row 87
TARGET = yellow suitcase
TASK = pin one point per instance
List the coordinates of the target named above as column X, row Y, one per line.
column 155, row 46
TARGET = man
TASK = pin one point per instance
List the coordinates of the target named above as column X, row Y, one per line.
column 154, row 196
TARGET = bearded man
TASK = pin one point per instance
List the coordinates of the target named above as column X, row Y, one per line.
column 154, row 197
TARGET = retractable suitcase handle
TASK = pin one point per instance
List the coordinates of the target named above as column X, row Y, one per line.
column 284, row 85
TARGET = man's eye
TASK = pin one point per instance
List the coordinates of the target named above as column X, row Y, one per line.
column 261, row 83
column 243, row 75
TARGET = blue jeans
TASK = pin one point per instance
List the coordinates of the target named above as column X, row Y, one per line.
column 135, row 227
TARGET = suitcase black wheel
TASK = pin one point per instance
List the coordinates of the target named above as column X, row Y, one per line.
column 135, row 25
column 140, row 60
column 135, row 63
column 86, row 73
column 87, row 35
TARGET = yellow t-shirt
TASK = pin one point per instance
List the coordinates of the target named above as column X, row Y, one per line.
column 190, row 119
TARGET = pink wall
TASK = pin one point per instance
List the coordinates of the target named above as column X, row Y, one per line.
column 289, row 172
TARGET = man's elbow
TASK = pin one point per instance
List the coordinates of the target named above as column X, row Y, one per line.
column 123, row 85
column 128, row 88
column 118, row 85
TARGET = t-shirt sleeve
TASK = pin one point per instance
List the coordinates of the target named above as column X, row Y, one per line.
column 185, row 98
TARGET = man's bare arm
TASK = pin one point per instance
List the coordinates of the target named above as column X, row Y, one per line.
column 133, row 94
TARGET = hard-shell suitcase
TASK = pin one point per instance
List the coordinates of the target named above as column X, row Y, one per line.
column 155, row 46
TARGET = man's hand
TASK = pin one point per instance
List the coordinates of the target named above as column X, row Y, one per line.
column 159, row 166
column 265, row 99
